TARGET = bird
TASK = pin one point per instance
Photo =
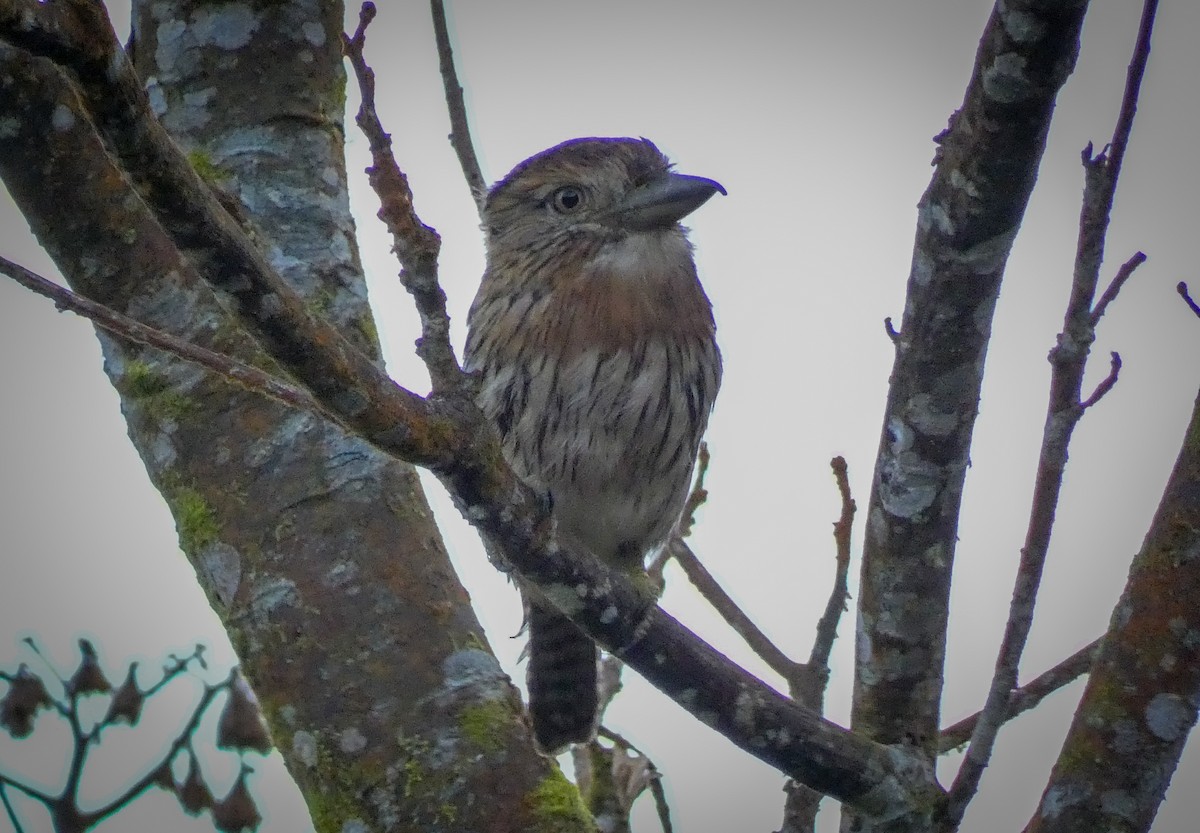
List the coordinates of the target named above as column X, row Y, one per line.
column 593, row 346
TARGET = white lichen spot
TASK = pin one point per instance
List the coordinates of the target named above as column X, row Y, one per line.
column 581, row 590
column 306, row 57
column 162, row 448
column 660, row 659
column 1004, row 81
column 1061, row 797
column 355, row 826
column 272, row 593
column 930, row 215
column 304, row 745
column 744, row 711
column 471, row 667
column 563, row 597
column 1168, row 662
column 314, row 33
column 923, row 414
column 987, row 256
column 9, row 127
column 907, row 483
column 226, row 26
column 609, row 615
column 289, row 714
column 342, row 574
column 62, row 118
column 329, row 175
column 935, row 556
column 352, row 741
column 169, row 39
column 221, row 566
column 1023, row 27
column 1118, row 803
column 922, row 267
column 960, row 182
column 1168, row 717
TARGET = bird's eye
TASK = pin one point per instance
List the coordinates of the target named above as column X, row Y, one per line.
column 567, row 199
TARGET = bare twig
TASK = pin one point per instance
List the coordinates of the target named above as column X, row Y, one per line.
column 892, row 333
column 737, row 619
column 827, row 625
column 1182, row 289
column 460, row 130
column 687, row 519
column 8, row 810
column 652, row 780
column 1027, row 696
column 1068, row 360
column 122, row 326
column 1118, row 281
column 416, row 245
column 1106, row 384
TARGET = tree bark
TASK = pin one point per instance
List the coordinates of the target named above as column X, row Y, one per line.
column 318, row 551
column 1141, row 698
column 987, row 163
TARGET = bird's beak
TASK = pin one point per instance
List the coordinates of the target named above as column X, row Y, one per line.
column 664, row 201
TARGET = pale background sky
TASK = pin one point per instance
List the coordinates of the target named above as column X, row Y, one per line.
column 817, row 118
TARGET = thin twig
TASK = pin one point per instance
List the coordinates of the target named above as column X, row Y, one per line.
column 1068, row 360
column 1118, row 281
column 737, row 619
column 124, row 327
column 1027, row 696
column 1182, row 289
column 840, row 593
column 460, row 130
column 8, row 809
column 416, row 245
column 687, row 519
column 1107, row 384
column 654, row 782
column 890, row 328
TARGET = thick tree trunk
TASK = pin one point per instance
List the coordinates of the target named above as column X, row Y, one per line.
column 318, row 552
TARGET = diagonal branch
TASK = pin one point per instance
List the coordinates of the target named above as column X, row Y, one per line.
column 249, row 377
column 986, row 166
column 1068, row 360
column 1182, row 289
column 840, row 593
column 460, row 130
column 733, row 615
column 416, row 245
column 447, row 434
column 1027, row 696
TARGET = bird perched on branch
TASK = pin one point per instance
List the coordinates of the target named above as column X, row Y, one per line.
column 594, row 346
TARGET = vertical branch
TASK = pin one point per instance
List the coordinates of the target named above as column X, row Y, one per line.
column 460, row 131
column 1140, row 701
column 987, row 162
column 1068, row 360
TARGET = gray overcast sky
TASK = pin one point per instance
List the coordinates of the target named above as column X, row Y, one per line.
column 817, row 118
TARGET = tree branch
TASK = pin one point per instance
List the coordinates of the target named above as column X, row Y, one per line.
column 986, row 166
column 827, row 625
column 1027, row 696
column 733, row 615
column 447, row 434
column 1140, row 700
column 460, row 130
column 1182, row 289
column 416, row 245
column 1068, row 360
column 122, row 326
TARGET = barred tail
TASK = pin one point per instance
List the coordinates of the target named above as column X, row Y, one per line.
column 562, row 679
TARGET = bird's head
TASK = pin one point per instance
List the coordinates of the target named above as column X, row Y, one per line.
column 591, row 190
